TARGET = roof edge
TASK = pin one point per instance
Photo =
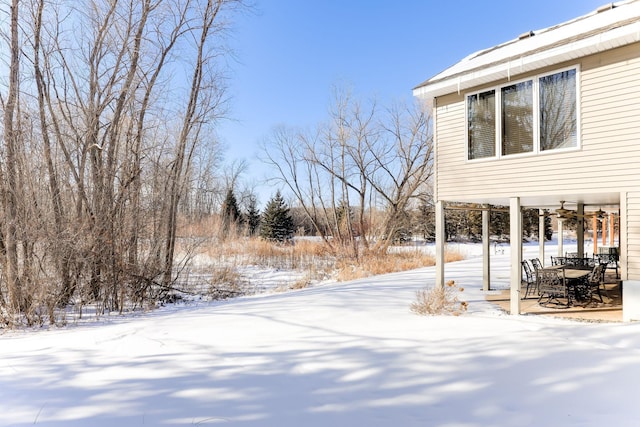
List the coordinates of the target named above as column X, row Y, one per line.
column 614, row 34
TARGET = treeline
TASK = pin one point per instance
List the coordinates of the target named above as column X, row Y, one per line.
column 463, row 222
column 467, row 224
column 108, row 113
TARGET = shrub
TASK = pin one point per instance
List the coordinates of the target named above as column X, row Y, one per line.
column 225, row 283
column 439, row 300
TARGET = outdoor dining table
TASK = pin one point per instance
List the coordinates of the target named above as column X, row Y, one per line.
column 571, row 278
column 569, row 273
column 574, row 274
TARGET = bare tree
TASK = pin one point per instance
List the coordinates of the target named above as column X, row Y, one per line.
column 286, row 151
column 363, row 158
column 99, row 144
column 403, row 162
column 8, row 172
column 205, row 100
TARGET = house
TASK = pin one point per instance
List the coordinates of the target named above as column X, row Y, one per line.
column 552, row 116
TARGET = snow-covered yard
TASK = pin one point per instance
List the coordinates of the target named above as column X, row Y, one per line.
column 337, row 354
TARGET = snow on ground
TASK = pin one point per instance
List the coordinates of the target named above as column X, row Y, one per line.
column 337, row 354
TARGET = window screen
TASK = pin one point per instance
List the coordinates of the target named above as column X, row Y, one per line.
column 558, row 123
column 517, row 118
column 481, row 125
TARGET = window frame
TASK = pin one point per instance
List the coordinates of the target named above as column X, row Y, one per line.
column 535, row 79
column 534, row 121
column 467, row 133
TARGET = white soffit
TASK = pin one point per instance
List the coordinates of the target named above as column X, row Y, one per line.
column 587, row 35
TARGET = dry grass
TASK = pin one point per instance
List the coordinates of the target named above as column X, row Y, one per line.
column 203, row 227
column 225, row 283
column 375, row 264
column 452, row 256
column 298, row 284
column 308, row 258
column 439, row 300
column 314, row 258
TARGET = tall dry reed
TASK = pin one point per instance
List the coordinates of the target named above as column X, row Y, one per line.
column 313, row 258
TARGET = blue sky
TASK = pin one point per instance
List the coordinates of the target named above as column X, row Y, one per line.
column 292, row 52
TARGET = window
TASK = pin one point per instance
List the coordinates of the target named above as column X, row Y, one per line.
column 558, row 118
column 517, row 118
column 482, row 125
column 530, row 116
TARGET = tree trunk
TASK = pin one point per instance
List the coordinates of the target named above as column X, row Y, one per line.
column 9, row 180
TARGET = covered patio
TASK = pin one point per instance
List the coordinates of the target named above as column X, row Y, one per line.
column 593, row 211
column 609, row 311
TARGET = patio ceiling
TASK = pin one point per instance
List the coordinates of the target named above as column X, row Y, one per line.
column 609, row 200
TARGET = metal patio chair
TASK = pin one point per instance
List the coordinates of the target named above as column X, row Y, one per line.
column 529, row 280
column 595, row 282
column 537, row 265
column 552, row 289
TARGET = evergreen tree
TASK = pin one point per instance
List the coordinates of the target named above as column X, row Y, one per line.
column 230, row 212
column 424, row 221
column 473, row 224
column 252, row 216
column 548, row 230
column 277, row 223
column 530, row 223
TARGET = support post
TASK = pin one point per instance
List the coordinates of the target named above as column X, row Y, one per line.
column 580, row 232
column 623, row 234
column 515, row 242
column 612, row 241
column 594, row 225
column 486, row 255
column 541, row 235
column 560, row 237
column 440, row 243
column 604, row 231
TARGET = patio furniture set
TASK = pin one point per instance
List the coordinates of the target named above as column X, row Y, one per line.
column 568, row 281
